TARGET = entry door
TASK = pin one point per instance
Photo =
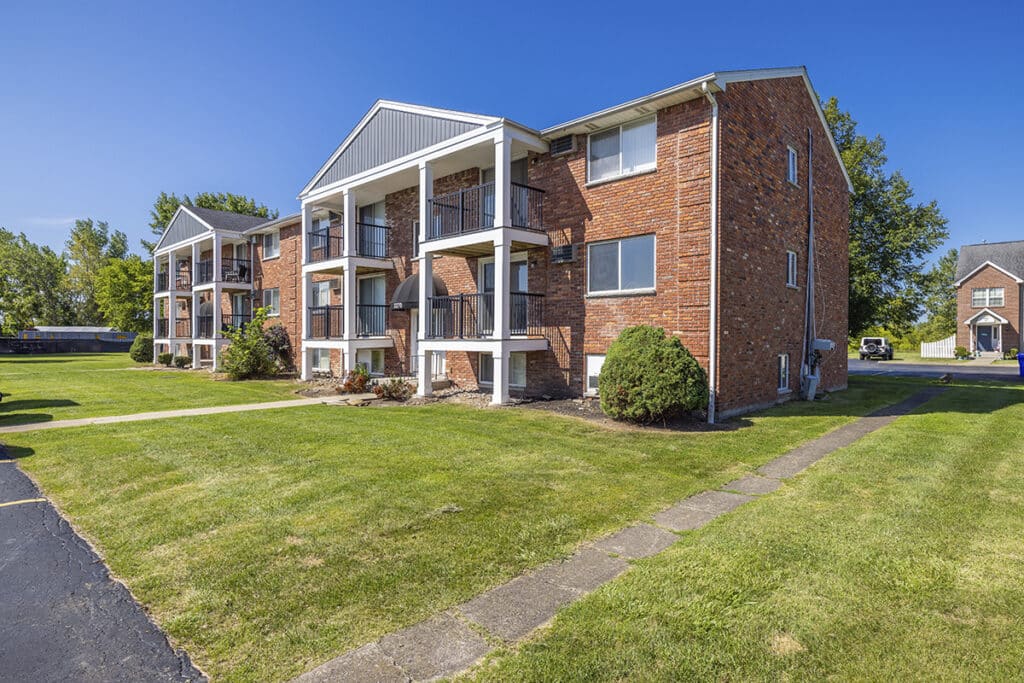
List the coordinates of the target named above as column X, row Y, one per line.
column 985, row 341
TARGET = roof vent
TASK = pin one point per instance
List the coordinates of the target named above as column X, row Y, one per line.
column 564, row 253
column 562, row 145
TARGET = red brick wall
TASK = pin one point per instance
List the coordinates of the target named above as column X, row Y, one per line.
column 989, row 277
column 285, row 273
column 762, row 216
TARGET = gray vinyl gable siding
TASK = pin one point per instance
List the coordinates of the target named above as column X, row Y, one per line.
column 389, row 135
column 183, row 227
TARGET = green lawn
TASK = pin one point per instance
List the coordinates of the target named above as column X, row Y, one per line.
column 68, row 386
column 270, row 542
column 898, row 558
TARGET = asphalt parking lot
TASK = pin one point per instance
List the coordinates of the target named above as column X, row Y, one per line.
column 1004, row 373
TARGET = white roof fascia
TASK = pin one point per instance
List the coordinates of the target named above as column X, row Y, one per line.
column 974, row 272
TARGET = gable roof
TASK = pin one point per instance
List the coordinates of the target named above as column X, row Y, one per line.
column 987, row 311
column 1007, row 257
column 192, row 221
column 226, row 220
column 391, row 130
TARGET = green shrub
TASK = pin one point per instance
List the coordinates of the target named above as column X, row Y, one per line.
column 960, row 352
column 356, row 380
column 249, row 355
column 1011, row 354
column 142, row 349
column 649, row 377
column 165, row 359
column 393, row 389
column 182, row 361
column 280, row 345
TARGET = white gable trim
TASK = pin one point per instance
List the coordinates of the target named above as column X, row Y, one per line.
column 181, row 207
column 974, row 272
column 986, row 311
column 464, row 117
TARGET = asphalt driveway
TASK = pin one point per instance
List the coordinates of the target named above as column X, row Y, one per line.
column 62, row 618
column 1007, row 373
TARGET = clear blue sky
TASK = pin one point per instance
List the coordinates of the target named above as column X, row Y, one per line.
column 104, row 105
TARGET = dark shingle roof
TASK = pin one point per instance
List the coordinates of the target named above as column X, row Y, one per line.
column 226, row 220
column 1007, row 255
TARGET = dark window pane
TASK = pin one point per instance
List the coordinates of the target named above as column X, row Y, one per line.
column 638, row 262
column 604, row 267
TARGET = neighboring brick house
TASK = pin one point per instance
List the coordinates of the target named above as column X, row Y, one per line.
column 442, row 243
column 989, row 278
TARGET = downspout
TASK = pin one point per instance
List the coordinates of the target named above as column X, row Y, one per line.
column 808, row 362
column 713, row 298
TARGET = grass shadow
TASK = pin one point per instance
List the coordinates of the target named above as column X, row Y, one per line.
column 9, row 452
column 35, row 404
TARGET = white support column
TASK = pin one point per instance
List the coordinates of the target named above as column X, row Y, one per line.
column 307, row 227
column 218, row 314
column 502, row 288
column 501, row 371
column 348, row 294
column 218, row 246
column 195, row 264
column 425, row 375
column 306, row 363
column 348, row 241
column 426, row 194
column 172, row 295
column 306, row 300
column 194, row 329
column 502, row 180
column 215, row 354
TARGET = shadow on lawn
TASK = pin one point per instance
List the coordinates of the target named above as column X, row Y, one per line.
column 7, row 406
column 8, row 452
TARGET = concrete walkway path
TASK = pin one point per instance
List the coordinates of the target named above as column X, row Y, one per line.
column 452, row 642
column 188, row 412
column 62, row 618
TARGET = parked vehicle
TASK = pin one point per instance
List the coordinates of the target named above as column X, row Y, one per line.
column 875, row 347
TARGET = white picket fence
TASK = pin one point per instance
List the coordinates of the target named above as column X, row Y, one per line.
column 939, row 349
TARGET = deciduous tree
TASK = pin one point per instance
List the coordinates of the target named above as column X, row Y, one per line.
column 124, row 294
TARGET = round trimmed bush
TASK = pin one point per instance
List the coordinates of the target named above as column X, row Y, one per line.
column 141, row 350
column 165, row 359
column 650, row 377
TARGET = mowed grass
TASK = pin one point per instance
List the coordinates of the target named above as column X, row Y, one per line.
column 898, row 558
column 69, row 386
column 270, row 542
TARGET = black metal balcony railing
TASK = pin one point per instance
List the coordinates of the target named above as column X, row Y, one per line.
column 183, row 281
column 235, row 270
column 326, row 322
column 471, row 316
column 372, row 240
column 324, row 246
column 183, row 327
column 371, row 320
column 234, row 321
column 204, row 272
column 204, row 325
column 161, row 282
column 472, row 209
column 162, row 327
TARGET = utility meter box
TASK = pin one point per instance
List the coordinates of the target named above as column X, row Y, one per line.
column 824, row 345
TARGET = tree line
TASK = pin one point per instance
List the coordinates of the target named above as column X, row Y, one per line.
column 95, row 279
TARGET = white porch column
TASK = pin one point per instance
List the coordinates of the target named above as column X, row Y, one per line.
column 194, row 329
column 502, row 180
column 501, row 372
column 305, row 301
column 307, row 227
column 426, row 194
column 424, row 371
column 195, row 264
column 348, row 241
column 215, row 354
column 172, row 295
column 502, row 288
column 306, row 363
column 348, row 293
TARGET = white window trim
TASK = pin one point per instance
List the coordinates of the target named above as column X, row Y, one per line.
column 322, row 353
column 640, row 171
column 263, row 244
column 783, row 379
column 791, row 153
column 988, row 297
column 369, row 369
column 263, row 297
column 591, row 294
column 792, row 271
column 488, row 383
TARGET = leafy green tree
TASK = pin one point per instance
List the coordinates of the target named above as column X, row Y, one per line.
column 166, row 204
column 890, row 234
column 940, row 298
column 33, row 285
column 90, row 247
column 124, row 294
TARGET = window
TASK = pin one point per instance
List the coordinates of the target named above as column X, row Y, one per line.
column 321, row 360
column 516, row 365
column 272, row 300
column 622, row 151
column 791, row 269
column 321, row 294
column 783, row 372
column 791, row 165
column 372, row 214
column 625, row 265
column 987, row 296
column 415, row 238
column 271, row 245
column 594, row 365
column 372, row 360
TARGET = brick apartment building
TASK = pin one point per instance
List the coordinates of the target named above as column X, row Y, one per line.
column 443, row 244
column 989, row 279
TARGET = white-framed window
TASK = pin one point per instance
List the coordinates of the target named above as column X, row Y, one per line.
column 783, row 372
column 372, row 360
column 516, row 372
column 321, row 294
column 322, row 360
column 595, row 362
column 415, row 238
column 791, row 173
column 791, row 269
column 987, row 296
column 271, row 245
column 624, row 150
column 625, row 265
column 272, row 300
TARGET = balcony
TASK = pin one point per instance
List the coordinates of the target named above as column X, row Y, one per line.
column 183, row 327
column 183, row 281
column 471, row 316
column 162, row 327
column 204, row 272
column 233, row 270
column 204, row 326
column 326, row 322
column 372, row 240
column 372, row 320
column 323, row 246
column 472, row 210
column 161, row 282
column 234, row 321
